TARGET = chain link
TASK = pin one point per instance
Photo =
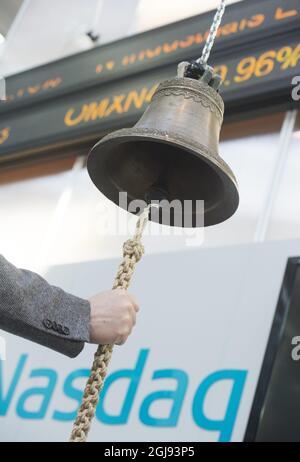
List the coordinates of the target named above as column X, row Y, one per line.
column 212, row 34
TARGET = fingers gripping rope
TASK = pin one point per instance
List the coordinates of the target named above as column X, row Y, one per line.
column 133, row 251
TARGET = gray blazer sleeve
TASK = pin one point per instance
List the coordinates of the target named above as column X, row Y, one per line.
column 45, row 314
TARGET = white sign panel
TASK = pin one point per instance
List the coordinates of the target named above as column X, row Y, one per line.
column 188, row 372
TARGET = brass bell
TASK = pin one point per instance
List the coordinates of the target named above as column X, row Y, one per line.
column 171, row 153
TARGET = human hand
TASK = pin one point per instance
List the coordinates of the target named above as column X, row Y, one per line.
column 113, row 315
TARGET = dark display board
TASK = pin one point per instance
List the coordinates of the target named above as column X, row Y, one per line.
column 275, row 413
column 83, row 96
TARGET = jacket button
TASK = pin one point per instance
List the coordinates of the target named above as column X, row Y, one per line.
column 66, row 330
column 47, row 323
column 59, row 329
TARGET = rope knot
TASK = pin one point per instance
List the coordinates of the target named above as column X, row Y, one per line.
column 132, row 247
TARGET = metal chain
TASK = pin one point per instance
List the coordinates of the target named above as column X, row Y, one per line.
column 212, row 34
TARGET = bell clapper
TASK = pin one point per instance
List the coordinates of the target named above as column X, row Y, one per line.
column 153, row 197
column 155, row 194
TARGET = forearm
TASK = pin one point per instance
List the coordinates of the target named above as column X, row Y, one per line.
column 37, row 311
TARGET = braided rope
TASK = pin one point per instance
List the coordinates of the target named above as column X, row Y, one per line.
column 133, row 251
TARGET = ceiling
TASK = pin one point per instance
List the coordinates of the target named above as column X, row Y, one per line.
column 8, row 11
column 48, row 30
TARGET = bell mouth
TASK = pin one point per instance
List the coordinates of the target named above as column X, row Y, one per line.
column 135, row 164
